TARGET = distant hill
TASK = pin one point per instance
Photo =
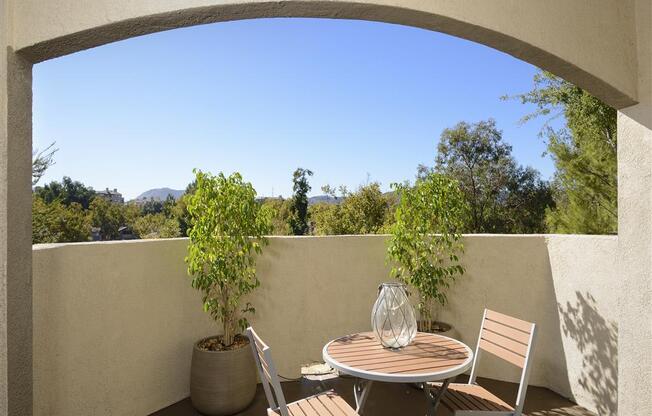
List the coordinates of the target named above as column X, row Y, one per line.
column 317, row 199
column 160, row 194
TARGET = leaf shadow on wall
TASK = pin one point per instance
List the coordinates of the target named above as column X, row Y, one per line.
column 597, row 340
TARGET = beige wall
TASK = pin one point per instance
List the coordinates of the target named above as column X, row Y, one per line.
column 4, row 359
column 114, row 322
column 635, row 232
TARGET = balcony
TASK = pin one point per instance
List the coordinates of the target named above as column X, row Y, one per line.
column 114, row 322
column 396, row 399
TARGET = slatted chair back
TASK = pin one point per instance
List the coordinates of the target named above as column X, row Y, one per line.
column 510, row 339
column 268, row 375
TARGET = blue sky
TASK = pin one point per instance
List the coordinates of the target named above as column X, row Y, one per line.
column 347, row 99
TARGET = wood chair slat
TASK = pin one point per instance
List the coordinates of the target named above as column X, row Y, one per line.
column 327, row 401
column 500, row 352
column 308, row 409
column 467, row 400
column 506, row 331
column 342, row 405
column 506, row 343
column 473, row 397
column 509, row 321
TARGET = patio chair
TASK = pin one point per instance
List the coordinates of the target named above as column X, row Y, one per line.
column 327, row 403
column 507, row 338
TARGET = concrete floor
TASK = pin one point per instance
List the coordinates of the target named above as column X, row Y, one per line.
column 398, row 399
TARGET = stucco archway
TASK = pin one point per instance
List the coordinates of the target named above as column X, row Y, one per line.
column 603, row 48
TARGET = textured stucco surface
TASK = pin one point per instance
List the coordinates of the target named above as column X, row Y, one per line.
column 589, row 42
column 3, row 210
column 15, row 227
column 114, row 322
column 635, row 233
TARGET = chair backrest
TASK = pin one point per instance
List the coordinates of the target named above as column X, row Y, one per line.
column 268, row 374
column 510, row 339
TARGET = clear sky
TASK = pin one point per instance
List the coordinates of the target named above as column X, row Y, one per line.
column 346, row 99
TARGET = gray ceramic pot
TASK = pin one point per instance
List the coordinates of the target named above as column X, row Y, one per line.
column 222, row 382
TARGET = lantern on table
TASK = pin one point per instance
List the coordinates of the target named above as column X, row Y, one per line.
column 392, row 317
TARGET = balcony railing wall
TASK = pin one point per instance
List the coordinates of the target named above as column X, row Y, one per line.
column 114, row 322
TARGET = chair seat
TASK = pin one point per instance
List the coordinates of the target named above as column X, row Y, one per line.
column 328, row 403
column 471, row 397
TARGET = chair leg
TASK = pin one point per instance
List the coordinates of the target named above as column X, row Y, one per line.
column 434, row 398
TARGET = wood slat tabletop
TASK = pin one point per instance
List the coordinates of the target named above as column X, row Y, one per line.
column 429, row 357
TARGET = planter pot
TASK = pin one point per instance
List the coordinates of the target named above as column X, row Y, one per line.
column 222, row 382
column 439, row 328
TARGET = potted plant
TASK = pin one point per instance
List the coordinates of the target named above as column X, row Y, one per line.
column 425, row 242
column 227, row 231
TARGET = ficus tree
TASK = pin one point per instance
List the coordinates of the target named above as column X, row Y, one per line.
column 425, row 242
column 227, row 231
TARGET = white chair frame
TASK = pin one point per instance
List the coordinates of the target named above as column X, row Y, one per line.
column 523, row 383
column 268, row 375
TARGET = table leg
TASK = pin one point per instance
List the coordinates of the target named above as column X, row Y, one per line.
column 361, row 392
column 434, row 398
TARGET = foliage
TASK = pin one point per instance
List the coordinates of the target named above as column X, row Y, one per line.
column 67, row 191
column 502, row 196
column 585, row 183
column 365, row 211
column 108, row 217
column 156, row 226
column 282, row 209
column 41, row 161
column 228, row 229
column 299, row 208
column 58, row 223
column 426, row 240
column 152, row 206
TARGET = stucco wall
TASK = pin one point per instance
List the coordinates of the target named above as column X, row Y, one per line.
column 635, row 232
column 4, row 396
column 114, row 322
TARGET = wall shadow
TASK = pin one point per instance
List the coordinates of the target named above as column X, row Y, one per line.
column 597, row 340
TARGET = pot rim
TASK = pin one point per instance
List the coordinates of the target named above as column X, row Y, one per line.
column 196, row 346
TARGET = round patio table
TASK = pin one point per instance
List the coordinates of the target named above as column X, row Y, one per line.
column 428, row 358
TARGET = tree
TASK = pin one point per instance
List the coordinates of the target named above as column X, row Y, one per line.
column 108, row 217
column 282, row 212
column 67, row 191
column 584, row 151
column 41, row 161
column 156, row 226
column 502, row 196
column 426, row 241
column 152, row 206
column 299, row 207
column 365, row 211
column 58, row 223
column 228, row 231
column 180, row 209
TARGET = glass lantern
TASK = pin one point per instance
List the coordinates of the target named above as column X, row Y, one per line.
column 392, row 317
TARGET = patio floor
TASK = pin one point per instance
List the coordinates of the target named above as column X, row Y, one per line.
column 398, row 399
